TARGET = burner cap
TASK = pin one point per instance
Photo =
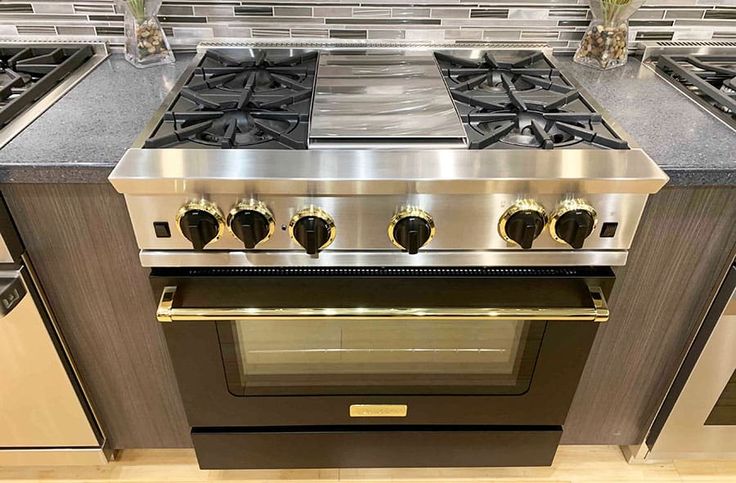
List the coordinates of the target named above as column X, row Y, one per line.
column 495, row 83
column 237, row 129
column 729, row 87
column 523, row 132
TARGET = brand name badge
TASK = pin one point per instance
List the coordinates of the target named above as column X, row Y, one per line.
column 378, row 410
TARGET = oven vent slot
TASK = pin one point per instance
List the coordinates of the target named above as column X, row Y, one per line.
column 443, row 272
column 370, row 427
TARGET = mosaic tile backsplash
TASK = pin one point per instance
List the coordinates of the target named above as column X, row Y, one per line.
column 560, row 23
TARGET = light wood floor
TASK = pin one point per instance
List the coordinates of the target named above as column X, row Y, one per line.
column 573, row 464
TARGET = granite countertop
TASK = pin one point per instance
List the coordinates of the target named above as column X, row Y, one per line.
column 82, row 137
column 690, row 144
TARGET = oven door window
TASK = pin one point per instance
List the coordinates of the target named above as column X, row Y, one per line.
column 344, row 357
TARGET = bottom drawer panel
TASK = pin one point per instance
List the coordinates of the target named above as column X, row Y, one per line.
column 375, row 447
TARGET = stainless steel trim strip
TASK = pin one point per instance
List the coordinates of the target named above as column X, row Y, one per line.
column 489, row 258
column 345, row 172
column 166, row 312
column 335, row 44
column 20, row 122
column 652, row 49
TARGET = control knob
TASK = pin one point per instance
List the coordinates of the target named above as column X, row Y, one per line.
column 200, row 222
column 251, row 222
column 522, row 223
column 411, row 229
column 312, row 228
column 572, row 222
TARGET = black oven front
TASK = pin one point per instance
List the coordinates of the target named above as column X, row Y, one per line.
column 379, row 366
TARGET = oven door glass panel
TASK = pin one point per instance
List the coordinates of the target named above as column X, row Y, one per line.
column 338, row 356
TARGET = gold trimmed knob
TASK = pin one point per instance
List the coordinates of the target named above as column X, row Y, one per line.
column 251, row 222
column 201, row 222
column 410, row 229
column 313, row 228
column 572, row 222
column 522, row 223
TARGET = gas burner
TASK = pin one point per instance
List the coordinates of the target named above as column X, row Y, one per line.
column 259, row 74
column 522, row 102
column 710, row 79
column 493, row 75
column 494, row 81
column 239, row 129
column 530, row 129
column 537, row 126
column 254, row 102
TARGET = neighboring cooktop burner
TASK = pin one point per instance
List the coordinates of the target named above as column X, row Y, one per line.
column 258, row 99
column 511, row 100
column 27, row 73
column 710, row 79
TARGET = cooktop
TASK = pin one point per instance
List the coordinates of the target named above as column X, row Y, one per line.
column 449, row 99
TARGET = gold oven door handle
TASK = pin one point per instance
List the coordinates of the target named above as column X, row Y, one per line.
column 597, row 312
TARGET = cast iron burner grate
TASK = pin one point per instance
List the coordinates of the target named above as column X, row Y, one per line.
column 522, row 102
column 710, row 79
column 27, row 73
column 257, row 101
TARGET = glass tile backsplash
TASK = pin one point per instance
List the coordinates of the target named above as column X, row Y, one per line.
column 560, row 23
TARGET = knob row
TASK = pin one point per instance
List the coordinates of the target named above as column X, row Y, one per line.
column 410, row 229
column 571, row 223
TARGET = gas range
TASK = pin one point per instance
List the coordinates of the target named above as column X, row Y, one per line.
column 343, row 242
column 347, row 156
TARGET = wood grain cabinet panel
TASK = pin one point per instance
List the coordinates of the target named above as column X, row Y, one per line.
column 683, row 248
column 82, row 244
column 81, row 241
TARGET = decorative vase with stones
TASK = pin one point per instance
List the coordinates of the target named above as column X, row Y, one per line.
column 605, row 44
column 145, row 41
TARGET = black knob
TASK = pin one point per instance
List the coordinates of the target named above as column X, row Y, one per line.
column 312, row 229
column 250, row 226
column 574, row 226
column 199, row 227
column 412, row 232
column 523, row 227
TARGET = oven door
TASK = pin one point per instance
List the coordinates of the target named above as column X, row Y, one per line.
column 318, row 346
column 368, row 349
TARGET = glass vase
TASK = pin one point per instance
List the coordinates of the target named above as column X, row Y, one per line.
column 145, row 41
column 605, row 44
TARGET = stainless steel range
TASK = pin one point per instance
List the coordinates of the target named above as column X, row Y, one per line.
column 366, row 253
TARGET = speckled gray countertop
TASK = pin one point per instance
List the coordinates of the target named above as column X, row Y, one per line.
column 83, row 136
column 690, row 144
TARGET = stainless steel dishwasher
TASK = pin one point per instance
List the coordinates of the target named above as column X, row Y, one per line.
column 45, row 417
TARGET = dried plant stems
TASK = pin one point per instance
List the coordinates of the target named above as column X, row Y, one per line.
column 612, row 10
column 138, row 9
